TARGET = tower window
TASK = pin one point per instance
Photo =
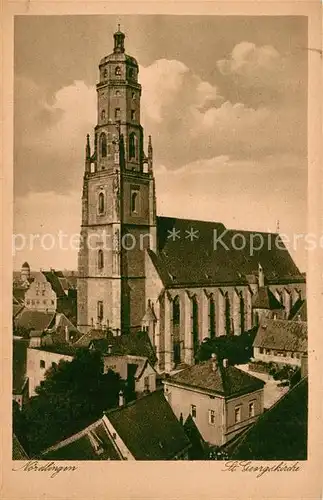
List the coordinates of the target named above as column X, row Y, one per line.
column 118, row 93
column 100, row 311
column 134, row 201
column 103, row 145
column 117, row 113
column 133, row 95
column 130, row 73
column 101, row 203
column 100, row 259
column 118, row 71
column 133, row 114
column 103, row 114
column 132, row 146
column 105, row 73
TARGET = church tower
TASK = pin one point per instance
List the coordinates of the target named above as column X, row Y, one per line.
column 118, row 203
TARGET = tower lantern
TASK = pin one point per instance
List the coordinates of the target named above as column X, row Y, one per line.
column 118, row 41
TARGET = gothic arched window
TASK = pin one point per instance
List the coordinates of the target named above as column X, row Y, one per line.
column 103, row 145
column 118, row 71
column 100, row 259
column 101, row 203
column 176, row 311
column 242, row 314
column 227, row 315
column 132, row 146
column 195, row 323
column 212, row 317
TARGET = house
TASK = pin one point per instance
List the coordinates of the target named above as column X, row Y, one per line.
column 280, row 433
column 280, row 341
column 131, row 356
column 40, row 359
column 40, row 295
column 135, row 344
column 46, row 327
column 145, row 429
column 221, row 399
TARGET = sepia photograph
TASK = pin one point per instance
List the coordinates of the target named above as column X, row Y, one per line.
column 160, row 239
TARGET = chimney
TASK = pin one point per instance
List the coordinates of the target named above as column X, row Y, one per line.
column 261, row 276
column 67, row 335
column 121, row 398
column 214, row 362
column 225, row 363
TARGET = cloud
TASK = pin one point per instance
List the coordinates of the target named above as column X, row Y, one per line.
column 249, row 60
column 263, row 67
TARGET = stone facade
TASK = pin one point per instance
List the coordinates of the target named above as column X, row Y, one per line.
column 118, row 203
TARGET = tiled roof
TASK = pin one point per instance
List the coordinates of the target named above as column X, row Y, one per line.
column 16, row 308
column 53, row 279
column 281, row 432
column 226, row 381
column 19, row 294
column 299, row 311
column 282, row 335
column 149, row 315
column 18, row 453
column 265, row 299
column 19, row 364
column 183, row 260
column 35, row 320
column 135, row 344
column 149, row 428
column 92, row 443
column 93, row 334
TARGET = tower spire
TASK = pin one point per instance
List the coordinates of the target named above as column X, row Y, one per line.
column 150, row 155
column 87, row 154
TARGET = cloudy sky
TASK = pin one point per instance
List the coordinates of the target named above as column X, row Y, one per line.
column 224, row 98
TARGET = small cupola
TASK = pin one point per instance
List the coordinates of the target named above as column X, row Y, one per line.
column 118, row 41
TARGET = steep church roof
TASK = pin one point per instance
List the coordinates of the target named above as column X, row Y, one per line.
column 201, row 253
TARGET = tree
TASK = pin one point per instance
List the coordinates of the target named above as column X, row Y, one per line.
column 73, row 395
column 236, row 348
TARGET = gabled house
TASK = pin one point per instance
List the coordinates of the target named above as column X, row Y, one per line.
column 145, row 429
column 280, row 341
column 221, row 399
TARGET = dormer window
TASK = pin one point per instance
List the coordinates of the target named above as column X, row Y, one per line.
column 118, row 71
